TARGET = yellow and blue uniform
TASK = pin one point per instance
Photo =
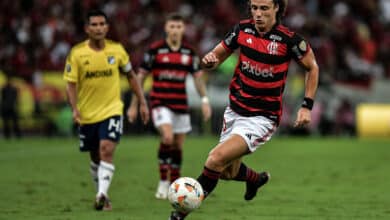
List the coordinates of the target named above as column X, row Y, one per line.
column 97, row 78
column 97, row 75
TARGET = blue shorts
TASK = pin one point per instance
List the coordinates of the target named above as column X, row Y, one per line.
column 92, row 134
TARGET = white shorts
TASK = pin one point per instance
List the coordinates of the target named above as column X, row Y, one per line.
column 181, row 123
column 255, row 130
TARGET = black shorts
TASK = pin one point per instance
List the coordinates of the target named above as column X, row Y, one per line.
column 92, row 134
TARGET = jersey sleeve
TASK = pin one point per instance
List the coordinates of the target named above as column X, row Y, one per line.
column 148, row 59
column 124, row 60
column 195, row 64
column 71, row 72
column 298, row 47
column 230, row 40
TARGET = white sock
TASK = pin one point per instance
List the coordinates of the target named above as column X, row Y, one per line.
column 105, row 173
column 94, row 170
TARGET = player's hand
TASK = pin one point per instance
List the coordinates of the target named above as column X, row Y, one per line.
column 303, row 118
column 132, row 113
column 144, row 110
column 210, row 60
column 206, row 111
column 76, row 116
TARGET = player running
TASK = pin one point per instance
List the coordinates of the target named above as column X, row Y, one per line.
column 170, row 61
column 92, row 73
column 256, row 89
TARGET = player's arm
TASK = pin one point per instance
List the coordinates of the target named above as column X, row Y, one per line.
column 215, row 57
column 71, row 92
column 138, row 96
column 311, row 83
column 201, row 88
column 71, row 73
column 132, row 112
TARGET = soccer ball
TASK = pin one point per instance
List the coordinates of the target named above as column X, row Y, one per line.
column 185, row 194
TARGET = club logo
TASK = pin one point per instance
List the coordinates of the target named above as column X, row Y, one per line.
column 185, row 59
column 273, row 48
column 111, row 60
column 68, row 68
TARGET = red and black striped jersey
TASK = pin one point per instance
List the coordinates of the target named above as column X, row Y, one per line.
column 170, row 69
column 260, row 75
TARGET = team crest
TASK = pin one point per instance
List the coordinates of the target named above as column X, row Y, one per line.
column 185, row 59
column 111, row 59
column 273, row 48
column 68, row 68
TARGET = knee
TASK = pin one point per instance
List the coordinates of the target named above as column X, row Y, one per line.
column 167, row 139
column 106, row 150
column 216, row 161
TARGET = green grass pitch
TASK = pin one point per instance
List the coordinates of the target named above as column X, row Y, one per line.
column 311, row 179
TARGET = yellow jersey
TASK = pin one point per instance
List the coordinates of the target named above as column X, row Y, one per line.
column 97, row 76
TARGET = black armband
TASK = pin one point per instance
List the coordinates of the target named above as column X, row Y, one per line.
column 307, row 103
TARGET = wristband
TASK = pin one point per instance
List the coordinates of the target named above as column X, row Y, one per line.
column 205, row 100
column 307, row 103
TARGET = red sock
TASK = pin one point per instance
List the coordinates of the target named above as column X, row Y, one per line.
column 163, row 159
column 176, row 156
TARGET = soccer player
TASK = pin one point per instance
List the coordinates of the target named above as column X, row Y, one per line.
column 170, row 61
column 92, row 72
column 256, row 89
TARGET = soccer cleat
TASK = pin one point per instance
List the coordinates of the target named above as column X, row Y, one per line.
column 162, row 189
column 176, row 216
column 252, row 188
column 107, row 205
column 102, row 202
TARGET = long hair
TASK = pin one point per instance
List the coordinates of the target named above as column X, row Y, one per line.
column 282, row 8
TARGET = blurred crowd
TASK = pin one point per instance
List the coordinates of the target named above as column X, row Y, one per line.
column 351, row 38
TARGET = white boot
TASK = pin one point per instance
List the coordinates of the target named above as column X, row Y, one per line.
column 162, row 189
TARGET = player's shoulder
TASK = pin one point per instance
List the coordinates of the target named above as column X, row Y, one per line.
column 113, row 44
column 285, row 31
column 246, row 23
column 188, row 47
column 157, row 44
column 78, row 48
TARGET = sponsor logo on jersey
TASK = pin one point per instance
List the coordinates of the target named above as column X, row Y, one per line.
column 303, row 46
column 275, row 37
column 162, row 50
column 297, row 52
column 256, row 70
column 249, row 31
column 249, row 41
column 229, row 39
column 98, row 73
column 169, row 75
column 272, row 48
column 185, row 51
column 111, row 60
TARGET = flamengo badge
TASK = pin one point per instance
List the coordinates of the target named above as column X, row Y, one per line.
column 273, row 48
